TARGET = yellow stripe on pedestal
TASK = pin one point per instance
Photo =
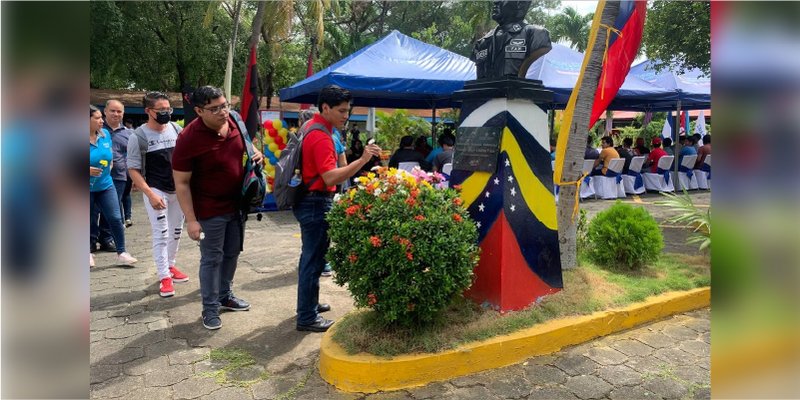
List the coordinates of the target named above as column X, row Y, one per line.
column 538, row 198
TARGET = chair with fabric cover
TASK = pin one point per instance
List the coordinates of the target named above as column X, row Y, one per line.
column 609, row 186
column 660, row 181
column 586, row 187
column 686, row 179
column 703, row 174
column 408, row 166
column 447, row 168
column 632, row 180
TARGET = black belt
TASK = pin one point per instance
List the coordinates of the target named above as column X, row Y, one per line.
column 319, row 193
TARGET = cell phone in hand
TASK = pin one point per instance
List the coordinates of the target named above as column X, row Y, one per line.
column 371, row 141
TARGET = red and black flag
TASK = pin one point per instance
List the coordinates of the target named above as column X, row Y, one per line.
column 250, row 96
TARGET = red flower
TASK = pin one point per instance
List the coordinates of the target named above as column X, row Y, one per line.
column 352, row 257
column 420, row 218
column 457, row 201
column 372, row 299
column 404, row 242
column 414, row 193
column 457, row 218
column 457, row 188
column 409, row 256
column 411, row 202
column 352, row 210
column 376, row 241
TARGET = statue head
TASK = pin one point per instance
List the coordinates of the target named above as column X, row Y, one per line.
column 507, row 11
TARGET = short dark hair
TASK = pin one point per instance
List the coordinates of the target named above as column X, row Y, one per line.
column 333, row 95
column 447, row 139
column 707, row 139
column 93, row 109
column 149, row 100
column 607, row 140
column 667, row 142
column 589, row 140
column 205, row 94
column 406, row 141
column 697, row 136
column 627, row 142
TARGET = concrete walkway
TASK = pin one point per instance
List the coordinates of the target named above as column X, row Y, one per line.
column 147, row 347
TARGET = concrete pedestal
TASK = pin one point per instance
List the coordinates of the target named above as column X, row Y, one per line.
column 514, row 206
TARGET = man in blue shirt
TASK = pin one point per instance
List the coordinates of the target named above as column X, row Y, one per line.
column 687, row 149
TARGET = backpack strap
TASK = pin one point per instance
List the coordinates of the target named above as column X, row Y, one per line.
column 304, row 130
column 142, row 140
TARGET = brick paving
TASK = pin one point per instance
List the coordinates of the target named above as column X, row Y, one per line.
column 147, row 347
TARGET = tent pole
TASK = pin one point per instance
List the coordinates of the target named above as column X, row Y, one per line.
column 677, row 145
column 433, row 126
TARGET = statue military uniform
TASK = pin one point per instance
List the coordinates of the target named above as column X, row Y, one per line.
column 504, row 50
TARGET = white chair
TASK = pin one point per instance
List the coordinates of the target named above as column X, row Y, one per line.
column 587, row 190
column 686, row 179
column 447, row 168
column 660, row 181
column 703, row 174
column 609, row 186
column 408, row 166
column 634, row 172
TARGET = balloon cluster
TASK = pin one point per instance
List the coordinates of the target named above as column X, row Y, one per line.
column 274, row 142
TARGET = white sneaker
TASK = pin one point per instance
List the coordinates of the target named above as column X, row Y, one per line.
column 125, row 259
column 91, row 260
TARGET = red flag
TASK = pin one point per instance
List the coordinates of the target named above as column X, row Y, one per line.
column 250, row 96
column 623, row 44
column 683, row 122
column 309, row 71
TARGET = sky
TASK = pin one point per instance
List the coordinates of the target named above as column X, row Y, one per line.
column 583, row 6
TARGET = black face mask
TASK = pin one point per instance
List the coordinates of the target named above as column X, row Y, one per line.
column 162, row 118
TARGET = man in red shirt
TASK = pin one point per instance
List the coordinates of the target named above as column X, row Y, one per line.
column 208, row 173
column 655, row 155
column 321, row 175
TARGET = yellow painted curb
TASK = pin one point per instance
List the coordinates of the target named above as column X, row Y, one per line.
column 367, row 373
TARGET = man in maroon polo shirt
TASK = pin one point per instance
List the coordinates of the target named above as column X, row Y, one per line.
column 208, row 173
column 321, row 175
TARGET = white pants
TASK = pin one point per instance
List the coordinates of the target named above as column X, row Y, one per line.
column 167, row 226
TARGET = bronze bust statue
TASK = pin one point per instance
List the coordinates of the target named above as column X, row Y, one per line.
column 511, row 47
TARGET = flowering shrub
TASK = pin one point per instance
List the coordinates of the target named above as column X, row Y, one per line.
column 403, row 243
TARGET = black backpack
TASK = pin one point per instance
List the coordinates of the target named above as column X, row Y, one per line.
column 254, row 186
column 291, row 159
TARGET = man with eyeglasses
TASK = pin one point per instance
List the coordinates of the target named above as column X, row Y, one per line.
column 208, row 166
column 150, row 151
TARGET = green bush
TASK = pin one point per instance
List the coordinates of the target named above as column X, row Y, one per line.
column 624, row 236
column 403, row 247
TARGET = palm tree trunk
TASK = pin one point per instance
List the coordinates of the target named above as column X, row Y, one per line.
column 258, row 21
column 231, row 47
column 573, row 159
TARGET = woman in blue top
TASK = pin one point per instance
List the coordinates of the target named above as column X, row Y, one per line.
column 101, row 188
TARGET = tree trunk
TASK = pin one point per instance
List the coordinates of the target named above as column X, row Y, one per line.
column 573, row 159
column 231, row 47
column 258, row 21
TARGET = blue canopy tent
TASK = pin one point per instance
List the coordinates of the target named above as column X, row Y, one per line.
column 559, row 69
column 396, row 71
column 691, row 88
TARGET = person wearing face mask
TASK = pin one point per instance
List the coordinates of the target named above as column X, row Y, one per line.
column 150, row 150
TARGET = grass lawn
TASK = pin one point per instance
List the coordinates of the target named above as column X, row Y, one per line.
column 587, row 289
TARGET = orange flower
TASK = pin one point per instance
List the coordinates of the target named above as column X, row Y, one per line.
column 411, row 306
column 457, row 218
column 414, row 193
column 372, row 299
column 457, row 201
column 376, row 241
column 352, row 210
column 409, row 256
column 404, row 242
column 411, row 202
column 352, row 257
column 457, row 188
column 420, row 218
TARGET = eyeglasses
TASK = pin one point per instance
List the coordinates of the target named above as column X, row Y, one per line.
column 216, row 110
column 163, row 110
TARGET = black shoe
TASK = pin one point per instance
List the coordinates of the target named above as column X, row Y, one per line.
column 212, row 322
column 320, row 325
column 234, row 304
column 108, row 247
column 92, row 247
column 324, row 307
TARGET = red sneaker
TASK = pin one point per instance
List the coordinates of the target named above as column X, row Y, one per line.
column 177, row 275
column 166, row 289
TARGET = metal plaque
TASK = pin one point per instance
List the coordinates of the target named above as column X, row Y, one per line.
column 477, row 148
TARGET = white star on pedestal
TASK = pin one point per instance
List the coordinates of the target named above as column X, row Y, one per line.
column 511, row 178
column 513, row 208
column 508, row 163
column 496, row 181
column 513, row 191
column 481, row 207
column 478, row 224
column 487, row 195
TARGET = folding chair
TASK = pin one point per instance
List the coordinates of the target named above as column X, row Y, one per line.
column 703, row 174
column 447, row 168
column 632, row 180
column 660, row 181
column 686, row 179
column 408, row 166
column 586, row 187
column 609, row 186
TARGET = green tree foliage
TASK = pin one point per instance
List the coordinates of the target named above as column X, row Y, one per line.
column 569, row 25
column 678, row 34
column 392, row 127
column 625, row 237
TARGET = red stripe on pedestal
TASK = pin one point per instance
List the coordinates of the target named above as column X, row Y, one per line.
column 502, row 277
